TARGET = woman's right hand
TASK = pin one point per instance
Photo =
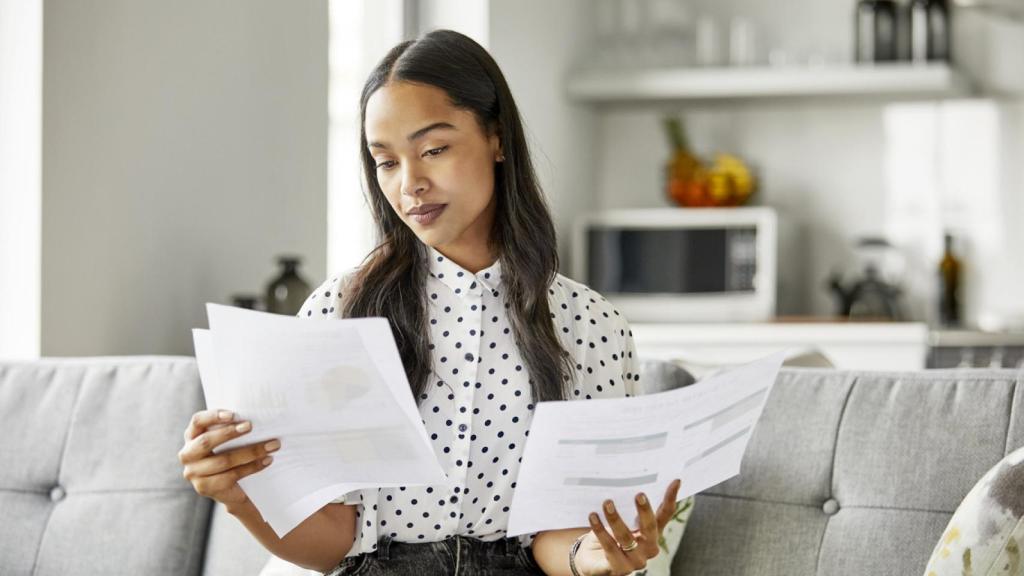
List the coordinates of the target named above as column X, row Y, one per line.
column 216, row 475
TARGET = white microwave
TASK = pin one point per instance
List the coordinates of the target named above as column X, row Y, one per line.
column 681, row 264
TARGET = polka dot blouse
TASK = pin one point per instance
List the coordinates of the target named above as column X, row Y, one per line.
column 478, row 406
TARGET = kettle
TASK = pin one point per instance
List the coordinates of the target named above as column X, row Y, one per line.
column 869, row 296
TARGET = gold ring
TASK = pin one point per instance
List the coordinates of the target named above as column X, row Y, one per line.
column 630, row 547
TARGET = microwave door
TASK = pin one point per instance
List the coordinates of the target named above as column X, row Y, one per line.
column 663, row 261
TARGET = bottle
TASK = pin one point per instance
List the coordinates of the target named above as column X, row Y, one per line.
column 875, row 31
column 287, row 292
column 929, row 31
column 949, row 286
column 903, row 30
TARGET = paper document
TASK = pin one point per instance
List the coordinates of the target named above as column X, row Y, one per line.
column 334, row 392
column 580, row 453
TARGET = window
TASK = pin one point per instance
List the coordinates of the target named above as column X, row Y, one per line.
column 361, row 33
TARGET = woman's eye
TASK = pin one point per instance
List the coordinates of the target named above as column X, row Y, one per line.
column 388, row 164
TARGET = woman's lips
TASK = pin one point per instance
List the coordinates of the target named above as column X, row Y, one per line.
column 429, row 217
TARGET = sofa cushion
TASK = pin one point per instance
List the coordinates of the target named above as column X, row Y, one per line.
column 232, row 551
column 658, row 376
column 898, row 434
column 90, row 481
column 852, row 473
column 986, row 533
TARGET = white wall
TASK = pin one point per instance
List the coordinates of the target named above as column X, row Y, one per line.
column 21, row 75
column 535, row 42
column 469, row 17
column 184, row 146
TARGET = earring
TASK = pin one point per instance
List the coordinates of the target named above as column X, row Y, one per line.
column 501, row 158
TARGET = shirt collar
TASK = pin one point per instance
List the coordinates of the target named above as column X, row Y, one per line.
column 460, row 280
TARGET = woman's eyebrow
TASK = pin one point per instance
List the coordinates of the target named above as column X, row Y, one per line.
column 419, row 133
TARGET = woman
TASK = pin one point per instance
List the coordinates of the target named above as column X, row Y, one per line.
column 466, row 272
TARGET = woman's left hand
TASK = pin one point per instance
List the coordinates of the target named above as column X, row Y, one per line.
column 603, row 554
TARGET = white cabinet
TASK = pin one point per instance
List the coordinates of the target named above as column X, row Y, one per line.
column 847, row 345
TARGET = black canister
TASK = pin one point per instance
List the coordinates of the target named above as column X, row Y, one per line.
column 875, row 31
column 929, row 31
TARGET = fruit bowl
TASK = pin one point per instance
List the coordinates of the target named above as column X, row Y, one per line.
column 726, row 182
column 691, row 182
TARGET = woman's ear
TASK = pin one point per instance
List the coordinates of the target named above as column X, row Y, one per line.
column 495, row 141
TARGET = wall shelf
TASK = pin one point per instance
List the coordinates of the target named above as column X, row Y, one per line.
column 898, row 80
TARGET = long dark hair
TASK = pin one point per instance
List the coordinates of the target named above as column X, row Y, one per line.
column 390, row 281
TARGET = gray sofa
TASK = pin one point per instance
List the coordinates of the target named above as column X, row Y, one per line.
column 848, row 473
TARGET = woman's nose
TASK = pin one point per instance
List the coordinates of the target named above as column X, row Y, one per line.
column 413, row 181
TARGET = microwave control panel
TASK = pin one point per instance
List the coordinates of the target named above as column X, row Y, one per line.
column 742, row 269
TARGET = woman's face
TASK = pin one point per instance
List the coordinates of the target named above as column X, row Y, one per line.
column 431, row 155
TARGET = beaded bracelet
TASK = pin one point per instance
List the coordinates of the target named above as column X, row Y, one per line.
column 572, row 554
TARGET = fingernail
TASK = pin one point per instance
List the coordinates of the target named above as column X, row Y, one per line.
column 244, row 426
column 272, row 445
column 641, row 499
column 609, row 507
column 593, row 518
column 677, row 482
column 266, row 461
column 225, row 415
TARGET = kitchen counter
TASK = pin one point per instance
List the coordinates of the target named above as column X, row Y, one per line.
column 844, row 344
column 975, row 349
column 975, row 338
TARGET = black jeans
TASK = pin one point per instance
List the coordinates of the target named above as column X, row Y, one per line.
column 455, row 555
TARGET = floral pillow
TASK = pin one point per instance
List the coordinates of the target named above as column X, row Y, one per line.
column 986, row 534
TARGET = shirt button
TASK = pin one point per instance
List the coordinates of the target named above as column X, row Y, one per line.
column 463, row 427
column 469, row 356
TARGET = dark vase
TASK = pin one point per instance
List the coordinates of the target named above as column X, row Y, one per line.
column 286, row 293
